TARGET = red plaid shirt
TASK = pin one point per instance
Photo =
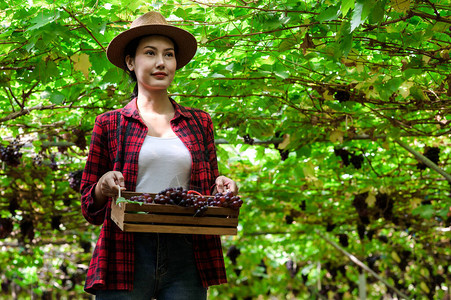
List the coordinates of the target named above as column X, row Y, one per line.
column 112, row 263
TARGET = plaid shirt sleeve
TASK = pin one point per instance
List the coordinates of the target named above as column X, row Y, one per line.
column 112, row 263
column 97, row 164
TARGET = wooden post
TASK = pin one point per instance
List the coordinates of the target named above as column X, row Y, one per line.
column 362, row 286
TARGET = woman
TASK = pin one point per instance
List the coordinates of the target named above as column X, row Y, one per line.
column 151, row 144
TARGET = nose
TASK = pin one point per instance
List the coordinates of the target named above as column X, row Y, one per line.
column 160, row 61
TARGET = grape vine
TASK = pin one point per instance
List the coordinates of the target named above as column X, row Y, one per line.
column 11, row 154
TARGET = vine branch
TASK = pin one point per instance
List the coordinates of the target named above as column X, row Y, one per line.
column 356, row 261
column 84, row 26
column 424, row 160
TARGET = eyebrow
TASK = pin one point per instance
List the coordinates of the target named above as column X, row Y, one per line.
column 154, row 48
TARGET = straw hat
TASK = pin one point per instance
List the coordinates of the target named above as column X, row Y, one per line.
column 152, row 23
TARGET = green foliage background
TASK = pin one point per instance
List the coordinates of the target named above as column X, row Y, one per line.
column 289, row 84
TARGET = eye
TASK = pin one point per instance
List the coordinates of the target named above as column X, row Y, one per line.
column 150, row 52
column 170, row 54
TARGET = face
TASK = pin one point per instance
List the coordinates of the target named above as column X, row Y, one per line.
column 154, row 63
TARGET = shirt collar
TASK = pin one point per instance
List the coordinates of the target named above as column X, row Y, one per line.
column 131, row 110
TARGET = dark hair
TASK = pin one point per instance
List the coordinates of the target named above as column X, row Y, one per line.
column 130, row 50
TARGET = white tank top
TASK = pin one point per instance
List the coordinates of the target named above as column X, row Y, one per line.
column 163, row 163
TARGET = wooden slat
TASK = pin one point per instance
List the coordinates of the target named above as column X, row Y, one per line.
column 187, row 220
column 133, row 217
column 128, row 195
column 179, row 229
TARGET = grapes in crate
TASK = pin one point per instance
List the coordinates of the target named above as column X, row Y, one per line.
column 200, row 203
column 190, row 198
column 144, row 198
column 227, row 200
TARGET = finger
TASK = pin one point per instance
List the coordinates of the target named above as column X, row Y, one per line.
column 229, row 186
column 119, row 179
column 110, row 188
column 220, row 184
column 233, row 188
column 117, row 189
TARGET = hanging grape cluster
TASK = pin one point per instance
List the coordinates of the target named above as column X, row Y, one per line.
column 233, row 252
column 432, row 153
column 283, row 153
column 6, row 227
column 11, row 154
column 188, row 198
column 75, row 180
column 342, row 96
column 248, row 140
column 349, row 158
column 383, row 207
column 80, row 138
column 27, row 228
column 292, row 267
column 53, row 164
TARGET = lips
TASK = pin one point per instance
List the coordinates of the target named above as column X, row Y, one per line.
column 159, row 74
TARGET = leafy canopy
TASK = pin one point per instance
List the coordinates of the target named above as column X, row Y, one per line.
column 312, row 102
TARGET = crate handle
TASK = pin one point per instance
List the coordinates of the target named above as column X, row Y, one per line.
column 119, row 196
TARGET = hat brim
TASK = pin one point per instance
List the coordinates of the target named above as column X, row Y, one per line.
column 185, row 42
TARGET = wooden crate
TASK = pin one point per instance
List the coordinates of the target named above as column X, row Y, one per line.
column 165, row 218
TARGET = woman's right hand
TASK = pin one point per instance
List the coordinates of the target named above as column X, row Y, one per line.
column 108, row 185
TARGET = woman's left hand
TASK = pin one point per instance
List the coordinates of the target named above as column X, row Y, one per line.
column 225, row 184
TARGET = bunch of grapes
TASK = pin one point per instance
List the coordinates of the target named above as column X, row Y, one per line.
column 37, row 160
column 357, row 160
column 343, row 239
column 330, row 227
column 283, row 153
column 385, row 205
column 233, row 252
column 144, row 198
column 347, row 157
column 188, row 198
column 361, row 231
column 80, row 138
column 6, row 227
column 342, row 96
column 75, row 180
column 56, row 222
column 13, row 205
column 433, row 154
column 344, row 154
column 248, row 140
column 11, row 154
column 227, row 200
column 53, row 164
column 361, row 207
column 293, row 268
column 27, row 228
column 200, row 203
column 182, row 197
column 173, row 196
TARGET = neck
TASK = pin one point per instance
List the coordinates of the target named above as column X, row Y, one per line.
column 154, row 102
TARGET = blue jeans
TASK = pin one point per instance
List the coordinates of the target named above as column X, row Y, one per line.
column 165, row 269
